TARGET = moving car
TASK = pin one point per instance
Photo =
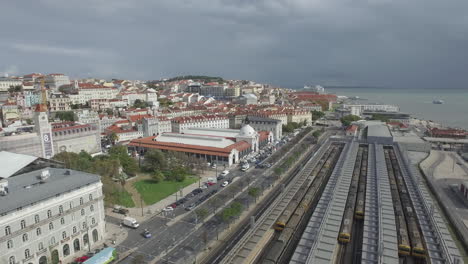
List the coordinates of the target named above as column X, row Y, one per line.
column 224, row 184
column 146, row 234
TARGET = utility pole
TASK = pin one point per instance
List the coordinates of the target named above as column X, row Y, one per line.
column 141, row 202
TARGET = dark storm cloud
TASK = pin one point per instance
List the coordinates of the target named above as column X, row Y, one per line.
column 290, row 43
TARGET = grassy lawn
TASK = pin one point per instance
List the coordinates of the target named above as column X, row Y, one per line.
column 124, row 198
column 152, row 192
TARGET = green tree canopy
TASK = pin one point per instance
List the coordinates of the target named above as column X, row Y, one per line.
column 317, row 114
column 346, row 120
column 155, row 160
column 65, row 115
column 140, row 104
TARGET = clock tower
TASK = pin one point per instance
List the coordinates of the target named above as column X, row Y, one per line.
column 43, row 127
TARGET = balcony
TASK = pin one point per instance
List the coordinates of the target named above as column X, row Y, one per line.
column 29, row 258
column 40, row 252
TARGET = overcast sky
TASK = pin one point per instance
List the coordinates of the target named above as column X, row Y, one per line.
column 390, row 43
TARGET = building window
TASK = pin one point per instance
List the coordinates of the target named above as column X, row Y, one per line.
column 90, row 197
column 23, row 224
column 7, row 230
column 71, row 205
column 62, row 221
column 74, row 230
column 91, row 208
column 36, row 219
column 12, row 260
column 27, row 254
column 52, row 241
column 51, row 226
column 82, row 211
column 40, row 246
column 60, row 209
column 64, row 234
column 38, row 231
column 81, row 201
column 25, row 237
column 49, row 213
column 84, row 225
column 93, row 221
column 10, row 244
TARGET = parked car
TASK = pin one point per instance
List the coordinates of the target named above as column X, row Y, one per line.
column 146, row 234
column 204, row 186
column 174, row 205
column 119, row 209
column 224, row 184
column 197, row 191
column 190, row 207
column 210, row 183
column 213, row 166
column 81, row 259
column 224, row 173
column 168, row 209
column 220, row 177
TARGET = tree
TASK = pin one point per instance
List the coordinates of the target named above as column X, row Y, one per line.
column 346, row 120
column 155, row 160
column 214, row 203
column 317, row 115
column 129, row 164
column 110, row 112
column 140, row 104
column 113, row 137
column 201, row 213
column 157, row 176
column 65, row 115
column 254, row 192
column 15, row 89
column 29, row 121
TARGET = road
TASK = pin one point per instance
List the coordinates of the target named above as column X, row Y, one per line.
column 180, row 241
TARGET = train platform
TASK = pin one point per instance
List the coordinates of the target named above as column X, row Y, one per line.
column 318, row 243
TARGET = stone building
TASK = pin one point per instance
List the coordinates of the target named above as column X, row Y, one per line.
column 266, row 124
column 50, row 216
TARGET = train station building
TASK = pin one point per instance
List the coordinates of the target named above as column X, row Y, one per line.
column 219, row 145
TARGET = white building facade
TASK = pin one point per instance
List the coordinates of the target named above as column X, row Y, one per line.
column 6, row 83
column 59, row 216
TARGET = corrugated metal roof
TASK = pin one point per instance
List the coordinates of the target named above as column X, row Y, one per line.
column 12, row 162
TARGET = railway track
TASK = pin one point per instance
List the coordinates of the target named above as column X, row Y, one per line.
column 231, row 241
column 411, row 246
column 350, row 235
column 293, row 220
column 243, row 251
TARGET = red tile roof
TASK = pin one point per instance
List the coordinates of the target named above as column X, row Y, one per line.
column 148, row 142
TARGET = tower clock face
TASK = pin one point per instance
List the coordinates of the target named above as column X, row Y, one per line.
column 46, row 138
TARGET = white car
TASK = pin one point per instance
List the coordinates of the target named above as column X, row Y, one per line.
column 224, row 184
column 213, row 166
column 168, row 209
column 224, row 173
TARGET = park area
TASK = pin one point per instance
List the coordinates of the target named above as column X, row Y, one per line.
column 152, row 192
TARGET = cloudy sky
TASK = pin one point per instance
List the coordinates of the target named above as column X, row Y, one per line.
column 389, row 43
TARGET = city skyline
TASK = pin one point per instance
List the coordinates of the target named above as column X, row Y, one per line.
column 379, row 43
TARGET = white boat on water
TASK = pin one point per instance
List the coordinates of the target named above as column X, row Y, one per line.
column 438, row 101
